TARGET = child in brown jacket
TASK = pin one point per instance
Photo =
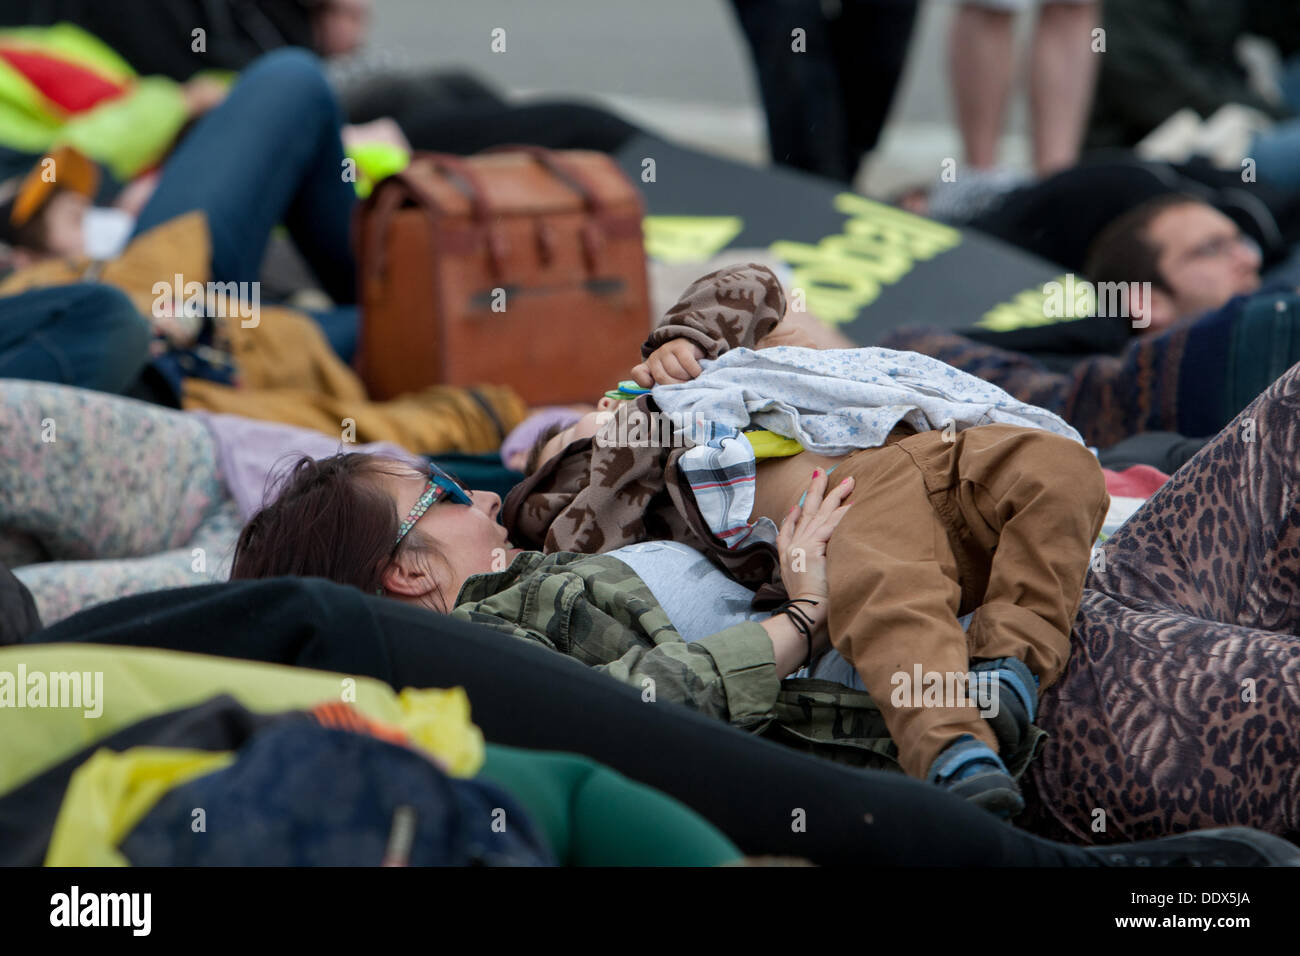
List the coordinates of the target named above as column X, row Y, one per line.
column 994, row 521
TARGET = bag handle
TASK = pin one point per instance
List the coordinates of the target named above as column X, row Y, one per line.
column 391, row 191
column 597, row 208
column 481, row 210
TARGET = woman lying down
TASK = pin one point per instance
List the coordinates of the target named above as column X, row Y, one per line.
column 953, row 516
column 420, row 538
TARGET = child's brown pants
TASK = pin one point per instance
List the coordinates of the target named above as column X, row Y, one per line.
column 997, row 520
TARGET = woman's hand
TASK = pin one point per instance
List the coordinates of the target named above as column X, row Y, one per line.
column 676, row 361
column 802, row 543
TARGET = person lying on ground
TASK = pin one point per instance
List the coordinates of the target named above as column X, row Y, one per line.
column 85, row 334
column 62, row 86
column 1129, row 227
column 525, row 696
column 106, row 496
column 270, row 153
column 1175, row 711
column 1183, row 369
column 1004, row 481
column 1010, row 479
column 175, row 526
column 1190, row 379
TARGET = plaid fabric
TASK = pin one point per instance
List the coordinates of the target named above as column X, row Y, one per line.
column 721, row 472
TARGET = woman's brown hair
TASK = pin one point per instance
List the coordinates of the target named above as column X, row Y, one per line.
column 331, row 518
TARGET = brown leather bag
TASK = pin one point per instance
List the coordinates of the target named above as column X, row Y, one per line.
column 522, row 267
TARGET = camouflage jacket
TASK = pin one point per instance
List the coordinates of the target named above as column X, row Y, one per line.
column 596, row 610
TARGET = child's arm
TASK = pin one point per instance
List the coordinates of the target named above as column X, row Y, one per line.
column 728, row 309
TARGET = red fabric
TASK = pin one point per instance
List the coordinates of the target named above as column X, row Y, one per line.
column 1136, row 481
column 65, row 84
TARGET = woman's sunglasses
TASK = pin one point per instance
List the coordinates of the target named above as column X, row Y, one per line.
column 441, row 487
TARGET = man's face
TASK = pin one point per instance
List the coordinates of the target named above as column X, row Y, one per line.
column 340, row 26
column 1204, row 258
column 63, row 214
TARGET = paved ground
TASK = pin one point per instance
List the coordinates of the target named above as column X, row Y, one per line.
column 678, row 66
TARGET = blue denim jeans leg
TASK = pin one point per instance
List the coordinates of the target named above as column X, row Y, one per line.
column 270, row 153
column 86, row 335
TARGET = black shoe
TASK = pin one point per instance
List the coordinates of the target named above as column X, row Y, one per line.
column 1017, row 700
column 992, row 790
column 968, row 768
column 1230, row 846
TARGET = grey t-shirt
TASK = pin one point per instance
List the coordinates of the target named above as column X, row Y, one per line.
column 700, row 599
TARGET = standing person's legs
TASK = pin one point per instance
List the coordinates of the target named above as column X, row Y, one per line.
column 869, row 41
column 269, row 153
column 89, row 475
column 85, row 334
column 800, row 84
column 1062, row 74
column 981, row 68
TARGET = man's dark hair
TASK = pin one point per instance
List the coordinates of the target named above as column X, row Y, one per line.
column 1122, row 252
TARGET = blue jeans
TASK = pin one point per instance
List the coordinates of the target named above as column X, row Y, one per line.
column 270, row 153
column 342, row 328
column 86, row 335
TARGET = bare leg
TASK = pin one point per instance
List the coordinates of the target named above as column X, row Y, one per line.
column 981, row 48
column 1063, row 72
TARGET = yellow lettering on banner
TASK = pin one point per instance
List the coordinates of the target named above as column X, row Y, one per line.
column 688, row 238
column 928, row 238
column 1030, row 308
column 876, row 257
column 836, row 289
column 879, row 245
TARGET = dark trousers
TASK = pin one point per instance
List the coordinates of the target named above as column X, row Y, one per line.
column 456, row 113
column 85, row 334
column 826, row 105
column 767, row 799
column 269, row 154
